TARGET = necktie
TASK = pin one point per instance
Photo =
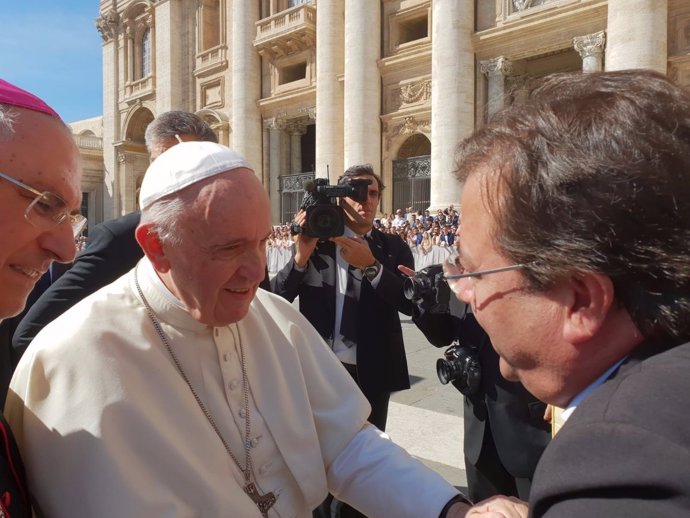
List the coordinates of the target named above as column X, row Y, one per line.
column 348, row 322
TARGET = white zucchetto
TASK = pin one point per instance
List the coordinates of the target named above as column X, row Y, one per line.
column 185, row 164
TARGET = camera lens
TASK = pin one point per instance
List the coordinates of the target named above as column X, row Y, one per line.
column 416, row 287
column 446, row 371
column 324, row 221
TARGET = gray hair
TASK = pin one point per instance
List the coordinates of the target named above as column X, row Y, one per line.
column 169, row 124
column 164, row 216
column 7, row 119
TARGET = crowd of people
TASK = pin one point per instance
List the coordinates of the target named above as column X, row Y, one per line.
column 430, row 238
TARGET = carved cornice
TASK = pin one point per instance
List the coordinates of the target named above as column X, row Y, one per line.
column 107, row 25
column 496, row 66
column 590, row 45
column 411, row 126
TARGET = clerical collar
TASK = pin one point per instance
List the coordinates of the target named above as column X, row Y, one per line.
column 147, row 269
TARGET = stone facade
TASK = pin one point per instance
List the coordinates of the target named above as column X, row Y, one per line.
column 304, row 88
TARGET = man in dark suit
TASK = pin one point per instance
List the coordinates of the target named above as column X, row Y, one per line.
column 351, row 292
column 574, row 258
column 505, row 431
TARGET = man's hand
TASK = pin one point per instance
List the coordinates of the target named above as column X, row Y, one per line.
column 304, row 245
column 355, row 251
column 407, row 271
column 499, row 507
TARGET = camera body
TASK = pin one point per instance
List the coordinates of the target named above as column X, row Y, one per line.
column 428, row 289
column 460, row 365
column 325, row 218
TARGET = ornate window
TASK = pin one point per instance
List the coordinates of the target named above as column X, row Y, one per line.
column 210, row 24
column 145, row 50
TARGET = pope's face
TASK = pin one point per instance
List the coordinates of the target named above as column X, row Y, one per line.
column 42, row 155
column 217, row 269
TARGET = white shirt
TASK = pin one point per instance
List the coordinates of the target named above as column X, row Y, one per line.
column 344, row 353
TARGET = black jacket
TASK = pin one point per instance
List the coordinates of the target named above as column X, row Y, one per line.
column 381, row 362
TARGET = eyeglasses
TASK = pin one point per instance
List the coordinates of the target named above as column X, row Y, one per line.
column 48, row 210
column 453, row 270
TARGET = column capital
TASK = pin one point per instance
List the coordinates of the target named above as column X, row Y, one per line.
column 590, row 44
column 496, row 66
column 106, row 25
column 274, row 124
column 296, row 128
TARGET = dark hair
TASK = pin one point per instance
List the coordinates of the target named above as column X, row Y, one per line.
column 361, row 169
column 168, row 124
column 592, row 173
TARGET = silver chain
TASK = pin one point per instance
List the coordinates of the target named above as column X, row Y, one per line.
column 247, row 470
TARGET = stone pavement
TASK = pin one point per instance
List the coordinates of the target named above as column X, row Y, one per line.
column 426, row 420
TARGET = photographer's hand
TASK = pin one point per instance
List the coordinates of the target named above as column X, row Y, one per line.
column 304, row 245
column 407, row 271
column 355, row 251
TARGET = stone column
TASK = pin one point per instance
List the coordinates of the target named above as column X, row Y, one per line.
column 108, row 25
column 173, row 26
column 362, row 138
column 496, row 70
column 636, row 35
column 296, row 130
column 329, row 91
column 245, row 75
column 452, row 93
column 274, row 127
column 591, row 50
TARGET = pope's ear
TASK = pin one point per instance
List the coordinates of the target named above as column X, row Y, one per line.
column 592, row 296
column 151, row 244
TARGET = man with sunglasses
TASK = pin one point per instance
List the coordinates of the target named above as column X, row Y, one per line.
column 40, row 196
column 574, row 257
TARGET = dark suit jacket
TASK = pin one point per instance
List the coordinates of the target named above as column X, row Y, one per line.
column 625, row 451
column 112, row 250
column 514, row 416
column 381, row 362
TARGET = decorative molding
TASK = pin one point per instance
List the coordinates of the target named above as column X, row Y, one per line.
column 411, row 126
column 521, row 5
column 415, row 92
column 294, row 182
column 496, row 66
column 415, row 167
column 107, row 25
column 590, row 45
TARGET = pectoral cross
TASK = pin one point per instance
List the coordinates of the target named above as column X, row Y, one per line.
column 263, row 502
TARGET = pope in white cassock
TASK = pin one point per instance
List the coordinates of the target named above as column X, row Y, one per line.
column 181, row 390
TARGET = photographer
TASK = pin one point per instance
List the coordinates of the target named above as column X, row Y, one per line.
column 505, row 432
column 351, row 292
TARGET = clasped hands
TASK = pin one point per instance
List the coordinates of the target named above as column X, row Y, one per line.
column 495, row 507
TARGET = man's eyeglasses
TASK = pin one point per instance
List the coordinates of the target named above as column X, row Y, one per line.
column 453, row 270
column 48, row 210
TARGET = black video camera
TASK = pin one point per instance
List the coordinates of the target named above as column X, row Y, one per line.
column 428, row 289
column 324, row 217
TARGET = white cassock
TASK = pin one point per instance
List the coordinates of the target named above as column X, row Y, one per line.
column 108, row 428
